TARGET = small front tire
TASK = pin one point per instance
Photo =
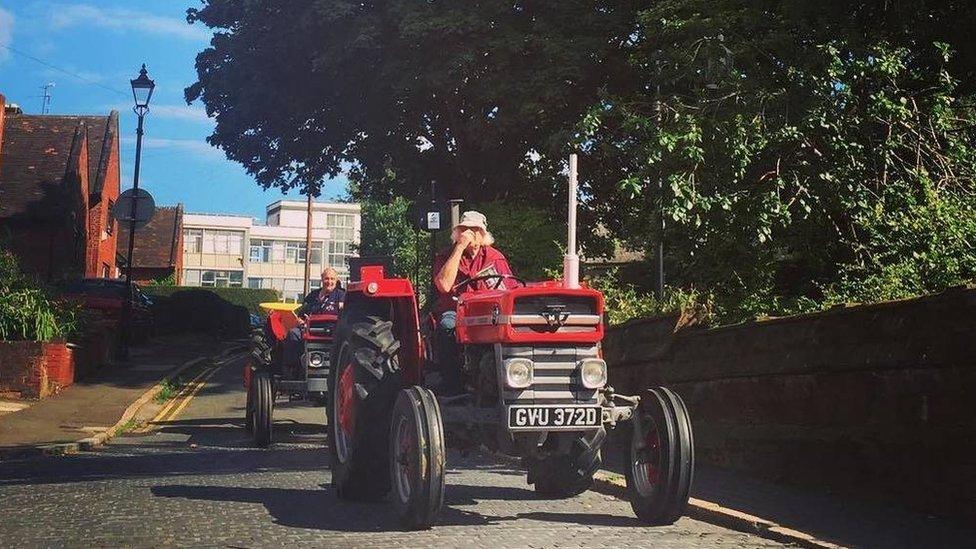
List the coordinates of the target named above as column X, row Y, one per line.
column 262, row 412
column 661, row 458
column 417, row 458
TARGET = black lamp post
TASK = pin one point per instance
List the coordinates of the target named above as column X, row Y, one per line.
column 142, row 90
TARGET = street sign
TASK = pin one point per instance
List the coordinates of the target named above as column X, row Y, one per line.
column 145, row 207
column 433, row 221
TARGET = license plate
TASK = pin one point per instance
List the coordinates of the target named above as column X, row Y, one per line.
column 552, row 417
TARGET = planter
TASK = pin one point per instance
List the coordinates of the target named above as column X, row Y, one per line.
column 31, row 369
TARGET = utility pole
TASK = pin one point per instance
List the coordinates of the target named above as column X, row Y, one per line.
column 46, row 98
column 308, row 244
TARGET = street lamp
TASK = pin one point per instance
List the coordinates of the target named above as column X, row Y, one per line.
column 142, row 90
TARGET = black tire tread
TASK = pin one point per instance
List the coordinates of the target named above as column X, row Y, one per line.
column 669, row 502
column 263, row 408
column 372, row 350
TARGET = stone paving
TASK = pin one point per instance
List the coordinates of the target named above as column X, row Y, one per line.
column 196, row 482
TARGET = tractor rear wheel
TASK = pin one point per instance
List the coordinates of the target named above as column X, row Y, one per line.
column 417, row 458
column 567, row 475
column 362, row 386
column 661, row 458
column 262, row 412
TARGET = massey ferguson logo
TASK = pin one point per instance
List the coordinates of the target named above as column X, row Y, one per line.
column 555, row 316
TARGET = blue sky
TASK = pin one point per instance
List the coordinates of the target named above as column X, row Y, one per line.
column 102, row 44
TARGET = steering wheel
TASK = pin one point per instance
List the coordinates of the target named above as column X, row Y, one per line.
column 497, row 277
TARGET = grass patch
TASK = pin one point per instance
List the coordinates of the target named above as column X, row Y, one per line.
column 127, row 426
column 170, row 389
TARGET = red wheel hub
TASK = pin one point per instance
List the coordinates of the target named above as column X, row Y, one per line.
column 347, row 404
column 652, row 448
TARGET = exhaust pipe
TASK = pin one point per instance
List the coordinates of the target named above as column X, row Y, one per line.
column 571, row 259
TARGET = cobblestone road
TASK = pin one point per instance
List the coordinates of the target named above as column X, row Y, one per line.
column 196, row 481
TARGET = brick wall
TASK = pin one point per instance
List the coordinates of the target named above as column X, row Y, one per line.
column 35, row 370
column 102, row 244
column 874, row 398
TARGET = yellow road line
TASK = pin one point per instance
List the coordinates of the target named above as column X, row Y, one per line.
column 196, row 388
column 174, row 400
column 179, row 394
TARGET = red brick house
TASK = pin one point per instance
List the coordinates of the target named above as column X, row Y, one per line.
column 59, row 179
column 158, row 248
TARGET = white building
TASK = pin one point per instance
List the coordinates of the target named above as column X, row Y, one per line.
column 234, row 250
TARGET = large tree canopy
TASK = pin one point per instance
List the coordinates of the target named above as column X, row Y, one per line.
column 405, row 92
column 801, row 152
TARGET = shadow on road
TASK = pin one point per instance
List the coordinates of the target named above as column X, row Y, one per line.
column 108, row 466
column 228, row 432
column 322, row 510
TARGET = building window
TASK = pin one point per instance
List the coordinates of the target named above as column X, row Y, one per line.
column 294, row 252
column 222, row 279
column 341, row 226
column 316, row 258
column 337, row 253
column 193, row 241
column 223, row 242
column 260, row 251
column 110, row 222
column 191, row 277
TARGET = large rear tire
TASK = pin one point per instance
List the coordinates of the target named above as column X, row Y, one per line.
column 362, row 386
column 417, row 458
column 263, row 411
column 568, row 475
column 661, row 456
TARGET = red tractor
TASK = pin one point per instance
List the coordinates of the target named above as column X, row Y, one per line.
column 266, row 376
column 535, row 387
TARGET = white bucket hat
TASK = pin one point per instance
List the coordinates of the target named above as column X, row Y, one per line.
column 473, row 219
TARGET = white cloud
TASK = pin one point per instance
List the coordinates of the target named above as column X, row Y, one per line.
column 181, row 112
column 6, row 32
column 184, row 113
column 195, row 147
column 71, row 15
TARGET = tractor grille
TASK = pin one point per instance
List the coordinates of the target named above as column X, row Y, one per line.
column 556, row 378
column 321, row 328
column 572, row 304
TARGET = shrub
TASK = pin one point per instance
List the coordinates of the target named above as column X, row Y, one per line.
column 221, row 312
column 249, row 298
column 27, row 311
column 625, row 302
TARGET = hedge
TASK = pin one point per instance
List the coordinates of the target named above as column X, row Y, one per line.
column 249, row 298
column 221, row 312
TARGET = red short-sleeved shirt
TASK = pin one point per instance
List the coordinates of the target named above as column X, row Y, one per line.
column 488, row 260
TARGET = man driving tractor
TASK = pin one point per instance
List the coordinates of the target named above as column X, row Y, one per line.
column 473, row 255
column 327, row 299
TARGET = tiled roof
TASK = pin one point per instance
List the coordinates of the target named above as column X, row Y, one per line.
column 38, row 151
column 157, row 243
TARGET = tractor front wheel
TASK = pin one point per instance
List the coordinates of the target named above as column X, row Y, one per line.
column 261, row 407
column 661, row 458
column 417, row 458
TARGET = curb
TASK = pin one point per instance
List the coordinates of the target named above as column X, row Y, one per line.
column 613, row 484
column 89, row 443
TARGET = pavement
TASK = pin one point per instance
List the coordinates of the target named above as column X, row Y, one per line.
column 94, row 405
column 191, row 477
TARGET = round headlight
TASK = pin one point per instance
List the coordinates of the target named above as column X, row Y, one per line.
column 518, row 373
column 315, row 360
column 593, row 373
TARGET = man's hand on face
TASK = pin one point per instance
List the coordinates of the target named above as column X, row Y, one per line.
column 466, row 239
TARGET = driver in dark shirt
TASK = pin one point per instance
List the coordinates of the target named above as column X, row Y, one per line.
column 327, row 299
column 472, row 256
